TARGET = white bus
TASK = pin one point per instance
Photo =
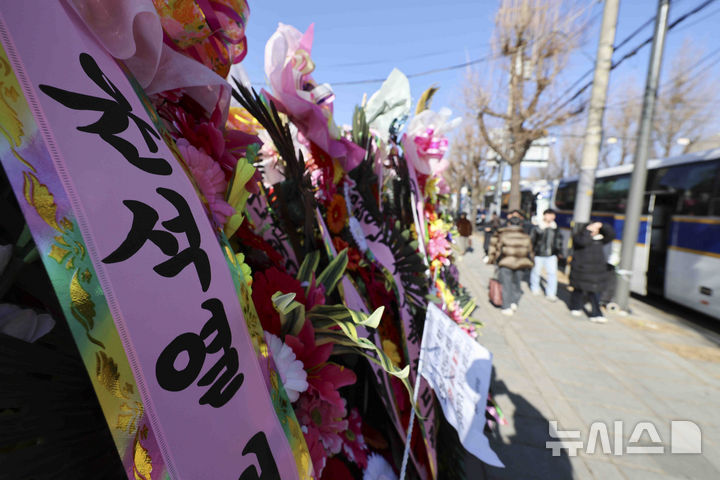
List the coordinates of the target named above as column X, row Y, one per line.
column 677, row 253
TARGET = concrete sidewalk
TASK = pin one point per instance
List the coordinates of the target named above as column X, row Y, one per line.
column 549, row 365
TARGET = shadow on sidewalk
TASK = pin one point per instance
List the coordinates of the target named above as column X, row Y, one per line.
column 525, row 455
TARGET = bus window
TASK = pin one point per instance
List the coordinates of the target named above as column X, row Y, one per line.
column 565, row 196
column 611, row 194
column 694, row 185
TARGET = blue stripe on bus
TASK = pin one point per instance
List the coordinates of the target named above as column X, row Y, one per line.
column 564, row 219
column 704, row 237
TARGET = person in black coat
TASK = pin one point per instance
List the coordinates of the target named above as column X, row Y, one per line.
column 589, row 271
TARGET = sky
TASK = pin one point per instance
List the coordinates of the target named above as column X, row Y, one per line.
column 363, row 41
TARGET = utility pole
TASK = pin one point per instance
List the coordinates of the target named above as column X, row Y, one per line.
column 639, row 174
column 594, row 129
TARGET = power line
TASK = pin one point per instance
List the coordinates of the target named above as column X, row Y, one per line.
column 630, row 54
column 395, row 60
column 448, row 68
column 687, row 70
column 710, row 14
column 634, row 33
column 420, row 74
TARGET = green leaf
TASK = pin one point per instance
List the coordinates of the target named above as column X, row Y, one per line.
column 333, row 272
column 292, row 313
column 292, row 322
column 284, row 302
column 468, row 309
column 308, row 267
column 434, row 299
column 374, row 319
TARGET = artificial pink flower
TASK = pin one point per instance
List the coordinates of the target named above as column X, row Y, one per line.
column 353, row 442
column 425, row 142
column 315, row 294
column 224, row 146
column 288, row 67
column 324, row 377
column 328, row 419
column 209, row 178
column 317, row 452
column 438, row 247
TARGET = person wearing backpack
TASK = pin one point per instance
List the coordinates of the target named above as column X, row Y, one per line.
column 511, row 249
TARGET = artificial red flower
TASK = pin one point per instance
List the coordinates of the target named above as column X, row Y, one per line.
column 265, row 284
column 255, row 242
column 336, row 214
column 320, row 158
column 378, row 294
column 335, row 469
column 323, row 376
column 353, row 254
column 354, row 259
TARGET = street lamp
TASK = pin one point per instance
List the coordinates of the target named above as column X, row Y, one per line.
column 684, row 141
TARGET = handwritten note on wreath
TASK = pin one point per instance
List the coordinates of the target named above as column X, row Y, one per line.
column 458, row 370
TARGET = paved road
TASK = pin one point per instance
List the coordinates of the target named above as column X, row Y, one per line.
column 646, row 367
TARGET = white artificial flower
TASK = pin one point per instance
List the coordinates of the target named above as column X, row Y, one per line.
column 292, row 372
column 358, row 234
column 378, row 469
column 5, row 256
column 24, row 324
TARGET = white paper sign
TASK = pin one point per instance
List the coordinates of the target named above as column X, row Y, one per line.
column 458, row 369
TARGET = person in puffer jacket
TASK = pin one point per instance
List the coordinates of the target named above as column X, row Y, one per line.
column 588, row 273
column 511, row 249
column 547, row 246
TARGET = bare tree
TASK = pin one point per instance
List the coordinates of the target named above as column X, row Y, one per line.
column 566, row 157
column 622, row 120
column 467, row 163
column 533, row 41
column 685, row 103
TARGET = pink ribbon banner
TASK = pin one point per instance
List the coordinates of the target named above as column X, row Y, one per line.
column 155, row 252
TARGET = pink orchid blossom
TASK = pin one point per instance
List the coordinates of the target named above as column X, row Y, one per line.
column 288, row 67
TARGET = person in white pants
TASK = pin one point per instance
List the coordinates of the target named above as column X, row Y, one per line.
column 547, row 245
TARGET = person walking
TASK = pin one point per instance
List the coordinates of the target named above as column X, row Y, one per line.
column 465, row 229
column 588, row 272
column 547, row 246
column 489, row 229
column 511, row 249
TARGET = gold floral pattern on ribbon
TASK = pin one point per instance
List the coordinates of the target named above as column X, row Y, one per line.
column 142, row 461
